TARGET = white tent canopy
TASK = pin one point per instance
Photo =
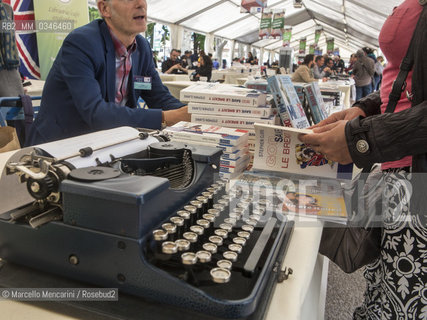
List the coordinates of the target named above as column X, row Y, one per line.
column 352, row 23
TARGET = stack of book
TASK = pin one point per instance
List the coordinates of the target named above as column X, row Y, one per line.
column 233, row 142
column 229, row 106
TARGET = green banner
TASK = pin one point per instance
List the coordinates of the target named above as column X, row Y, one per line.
column 329, row 45
column 56, row 19
column 265, row 25
column 278, row 24
column 287, row 35
column 302, row 45
column 317, row 34
column 312, row 48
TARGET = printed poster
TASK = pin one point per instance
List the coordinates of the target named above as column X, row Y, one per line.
column 56, row 18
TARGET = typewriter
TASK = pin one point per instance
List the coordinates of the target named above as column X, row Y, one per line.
column 130, row 210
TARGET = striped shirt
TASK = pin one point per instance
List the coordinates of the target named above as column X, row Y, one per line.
column 123, row 66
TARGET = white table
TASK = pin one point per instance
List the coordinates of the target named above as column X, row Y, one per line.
column 175, row 87
column 174, row 77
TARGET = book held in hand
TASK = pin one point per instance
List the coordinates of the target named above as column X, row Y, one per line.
column 279, row 149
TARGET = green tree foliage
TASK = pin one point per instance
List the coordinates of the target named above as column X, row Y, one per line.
column 198, row 41
column 93, row 14
column 150, row 33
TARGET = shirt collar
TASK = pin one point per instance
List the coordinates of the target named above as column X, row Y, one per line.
column 119, row 48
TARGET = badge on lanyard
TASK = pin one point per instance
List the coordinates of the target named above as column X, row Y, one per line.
column 141, row 83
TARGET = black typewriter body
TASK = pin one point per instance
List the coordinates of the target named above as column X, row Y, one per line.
column 120, row 233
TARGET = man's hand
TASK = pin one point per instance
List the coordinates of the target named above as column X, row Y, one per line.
column 170, row 117
column 330, row 140
column 348, row 114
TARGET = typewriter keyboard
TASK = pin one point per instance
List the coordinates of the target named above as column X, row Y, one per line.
column 218, row 242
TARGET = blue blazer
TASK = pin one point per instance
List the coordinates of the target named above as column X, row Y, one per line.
column 79, row 93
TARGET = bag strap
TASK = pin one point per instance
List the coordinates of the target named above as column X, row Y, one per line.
column 406, row 65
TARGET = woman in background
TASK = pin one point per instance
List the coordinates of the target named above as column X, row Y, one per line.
column 204, row 68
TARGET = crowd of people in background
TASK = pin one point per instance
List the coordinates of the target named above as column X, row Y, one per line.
column 364, row 67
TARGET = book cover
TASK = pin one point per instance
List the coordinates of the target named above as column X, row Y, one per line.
column 239, row 168
column 234, row 155
column 231, row 122
column 315, row 102
column 230, row 110
column 234, row 163
column 279, row 149
column 290, row 109
column 207, row 133
column 295, row 195
column 206, row 92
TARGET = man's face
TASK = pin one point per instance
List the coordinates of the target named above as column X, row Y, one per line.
column 320, row 62
column 174, row 55
column 330, row 63
column 125, row 17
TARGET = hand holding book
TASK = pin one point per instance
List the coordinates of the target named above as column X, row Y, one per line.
column 330, row 141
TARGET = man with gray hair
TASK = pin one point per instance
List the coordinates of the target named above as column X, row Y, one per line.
column 98, row 75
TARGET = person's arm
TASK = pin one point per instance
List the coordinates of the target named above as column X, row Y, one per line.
column 306, row 76
column 389, row 136
column 370, row 104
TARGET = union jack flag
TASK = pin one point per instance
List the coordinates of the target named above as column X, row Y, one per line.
column 26, row 40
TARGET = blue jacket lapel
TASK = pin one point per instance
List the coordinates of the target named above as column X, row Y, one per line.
column 110, row 63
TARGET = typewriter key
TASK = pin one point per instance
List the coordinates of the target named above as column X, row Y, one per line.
column 183, row 214
column 235, row 247
column 259, row 211
column 225, row 264
column 204, row 223
column 204, row 202
column 239, row 240
column 190, row 236
column 178, row 221
column 247, row 200
column 204, row 256
column 251, row 222
column 226, row 226
column 169, row 227
column 224, row 202
column 234, row 215
column 243, row 234
column 211, row 247
column 230, row 255
column 193, row 213
column 197, row 229
column 210, row 196
column 189, row 258
column 248, row 228
column 255, row 217
column 215, row 185
column 226, row 197
column 160, row 235
column 217, row 206
column 182, row 244
column 231, row 221
column 216, row 240
column 221, row 233
column 199, row 205
column 169, row 247
column 220, row 275
column 208, row 216
column 242, row 205
column 264, row 202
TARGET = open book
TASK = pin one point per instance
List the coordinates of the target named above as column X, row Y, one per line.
column 279, row 149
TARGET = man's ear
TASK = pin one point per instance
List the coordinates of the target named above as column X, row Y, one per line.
column 104, row 8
